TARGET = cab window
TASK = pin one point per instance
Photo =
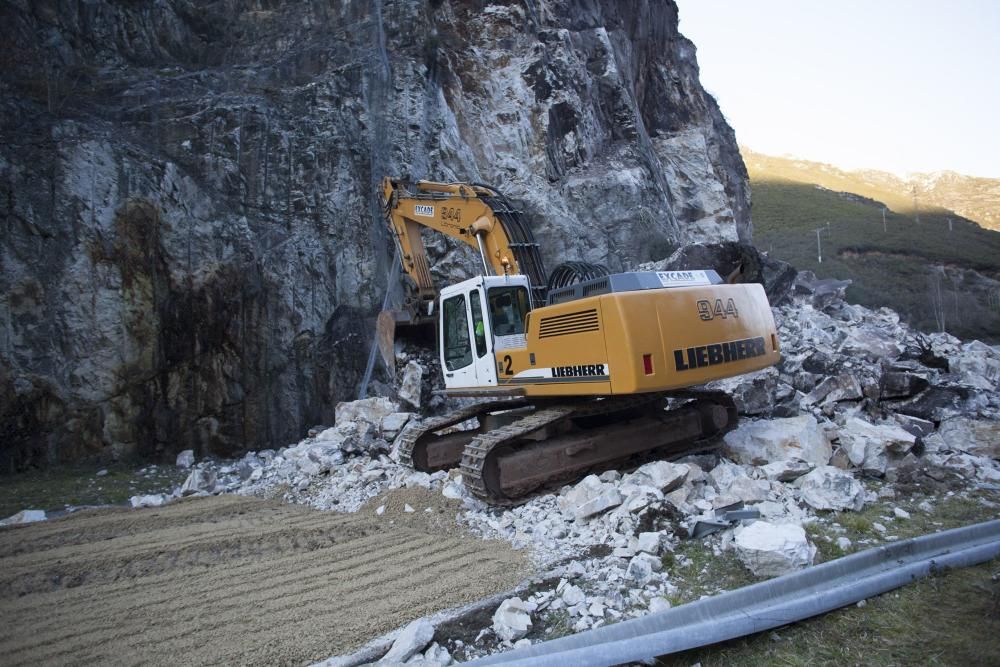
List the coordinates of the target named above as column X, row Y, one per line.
column 478, row 326
column 457, row 348
column 508, row 309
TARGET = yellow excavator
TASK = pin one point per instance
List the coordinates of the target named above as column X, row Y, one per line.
column 578, row 372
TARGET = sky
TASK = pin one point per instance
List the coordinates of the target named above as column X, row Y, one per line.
column 897, row 85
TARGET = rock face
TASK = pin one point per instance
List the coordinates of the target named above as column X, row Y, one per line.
column 191, row 256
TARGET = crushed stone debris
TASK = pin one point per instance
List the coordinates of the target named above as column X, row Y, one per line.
column 814, row 428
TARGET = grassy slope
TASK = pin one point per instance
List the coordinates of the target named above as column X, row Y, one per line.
column 56, row 488
column 889, row 268
column 948, row 619
column 947, row 193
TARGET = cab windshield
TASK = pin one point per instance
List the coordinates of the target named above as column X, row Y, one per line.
column 508, row 309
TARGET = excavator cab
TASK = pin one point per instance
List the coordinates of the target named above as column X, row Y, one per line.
column 477, row 317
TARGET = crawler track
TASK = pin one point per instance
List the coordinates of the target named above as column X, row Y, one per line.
column 511, row 456
column 418, row 438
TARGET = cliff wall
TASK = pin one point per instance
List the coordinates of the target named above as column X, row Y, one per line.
column 188, row 255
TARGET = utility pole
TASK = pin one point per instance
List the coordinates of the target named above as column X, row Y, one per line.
column 819, row 244
column 949, row 226
column 884, row 229
column 916, row 211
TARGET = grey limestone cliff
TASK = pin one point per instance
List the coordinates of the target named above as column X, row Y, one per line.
column 189, row 256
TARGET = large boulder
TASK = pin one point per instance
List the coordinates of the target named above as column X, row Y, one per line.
column 821, row 292
column 978, row 364
column 661, row 475
column 590, row 497
column 512, row 619
column 410, row 641
column 185, row 459
column 842, row 387
column 735, row 486
column 771, row 550
column 978, row 437
column 410, row 386
column 901, row 384
column 152, row 500
column 199, row 481
column 642, row 567
column 938, row 403
column 786, row 471
column 765, row 441
column 829, row 488
column 369, row 410
column 24, row 516
column 871, row 343
column 868, row 445
column 753, row 393
column 392, row 424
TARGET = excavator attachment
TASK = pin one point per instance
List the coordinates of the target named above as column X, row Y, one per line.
column 475, row 214
column 396, row 325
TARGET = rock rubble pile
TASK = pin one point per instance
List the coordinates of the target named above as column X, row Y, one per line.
column 859, row 403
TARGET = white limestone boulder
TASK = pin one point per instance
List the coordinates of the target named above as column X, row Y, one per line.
column 185, row 459
column 978, row 437
column 978, row 364
column 868, row 445
column 152, row 500
column 771, row 550
column 24, row 516
column 512, row 619
column 392, row 424
column 199, row 481
column 661, row 475
column 369, row 410
column 786, row 471
column 765, row 441
column 641, row 568
column 870, row 342
column 590, row 497
column 409, row 388
column 830, row 488
column 410, row 641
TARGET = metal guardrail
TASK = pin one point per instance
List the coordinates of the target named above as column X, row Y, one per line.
column 765, row 605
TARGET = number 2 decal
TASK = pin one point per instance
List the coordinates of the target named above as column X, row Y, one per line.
column 508, row 361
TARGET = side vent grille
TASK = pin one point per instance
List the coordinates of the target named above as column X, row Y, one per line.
column 599, row 287
column 570, row 323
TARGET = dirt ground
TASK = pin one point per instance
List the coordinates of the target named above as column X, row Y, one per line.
column 234, row 580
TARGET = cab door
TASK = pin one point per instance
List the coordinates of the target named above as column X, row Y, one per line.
column 482, row 339
column 465, row 340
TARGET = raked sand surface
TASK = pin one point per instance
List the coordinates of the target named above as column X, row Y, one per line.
column 235, row 580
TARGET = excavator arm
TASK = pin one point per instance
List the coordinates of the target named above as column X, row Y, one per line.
column 458, row 210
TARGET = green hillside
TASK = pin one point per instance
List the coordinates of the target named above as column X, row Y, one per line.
column 935, row 277
column 945, row 192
